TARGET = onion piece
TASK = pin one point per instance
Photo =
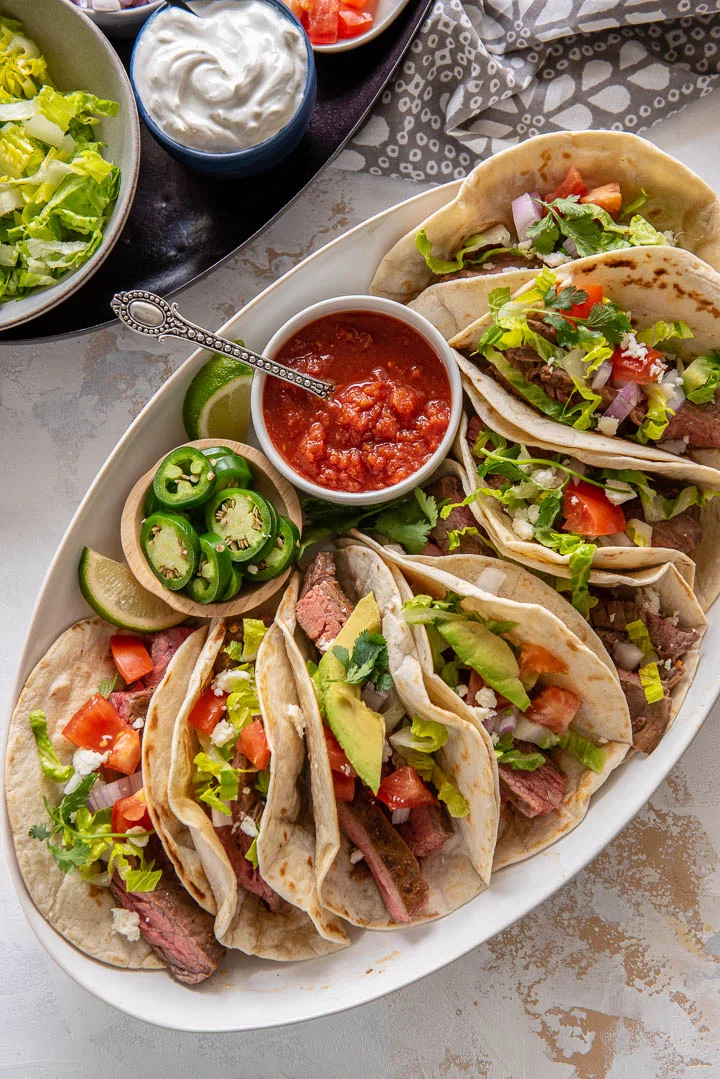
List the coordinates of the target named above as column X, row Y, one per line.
column 372, row 698
column 490, row 580
column 490, row 724
column 399, row 816
column 219, row 820
column 676, row 399
column 617, row 539
column 602, row 375
column 507, row 721
column 624, row 403
column 104, row 795
column 525, row 211
column 677, row 446
column 627, row 655
column 577, row 466
column 571, row 248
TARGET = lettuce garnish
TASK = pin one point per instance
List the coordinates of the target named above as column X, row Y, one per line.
column 49, row 760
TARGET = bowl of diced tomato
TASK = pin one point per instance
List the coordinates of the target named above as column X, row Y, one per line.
column 337, row 25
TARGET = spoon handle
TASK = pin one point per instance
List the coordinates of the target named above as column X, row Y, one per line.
column 151, row 315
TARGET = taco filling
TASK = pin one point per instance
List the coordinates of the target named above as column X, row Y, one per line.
column 570, row 222
column 100, row 827
column 395, row 802
column 573, row 355
column 501, row 682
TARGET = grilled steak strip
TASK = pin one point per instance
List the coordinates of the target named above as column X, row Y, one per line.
column 680, row 533
column 395, row 868
column 449, row 489
column 427, row 830
column 323, row 608
column 496, row 264
column 668, row 640
column 699, row 423
column 649, row 721
column 533, row 794
column 173, row 924
column 236, row 845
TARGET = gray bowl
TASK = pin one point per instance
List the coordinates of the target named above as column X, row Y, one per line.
column 81, row 58
column 123, row 23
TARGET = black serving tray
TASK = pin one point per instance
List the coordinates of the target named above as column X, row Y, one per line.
column 182, row 224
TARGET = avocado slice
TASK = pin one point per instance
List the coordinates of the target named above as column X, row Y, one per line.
column 359, row 730
column 489, row 655
column 366, row 616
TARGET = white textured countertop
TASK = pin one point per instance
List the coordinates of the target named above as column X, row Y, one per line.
column 617, row 975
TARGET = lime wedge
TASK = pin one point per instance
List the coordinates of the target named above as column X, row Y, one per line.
column 112, row 591
column 217, row 402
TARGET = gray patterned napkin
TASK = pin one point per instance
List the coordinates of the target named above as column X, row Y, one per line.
column 484, row 75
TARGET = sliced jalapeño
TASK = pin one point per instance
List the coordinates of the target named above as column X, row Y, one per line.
column 185, row 478
column 244, row 520
column 171, row 547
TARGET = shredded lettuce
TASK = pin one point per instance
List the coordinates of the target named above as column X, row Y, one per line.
column 701, row 378
column 637, row 631
column 448, row 793
column 49, row 761
column 592, row 756
column 254, row 629
column 505, row 753
column 640, row 532
column 216, row 781
column 657, row 417
column 498, row 236
column 251, row 853
column 664, row 331
column 651, row 683
column 422, row 736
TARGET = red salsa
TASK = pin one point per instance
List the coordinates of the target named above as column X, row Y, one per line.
column 389, row 412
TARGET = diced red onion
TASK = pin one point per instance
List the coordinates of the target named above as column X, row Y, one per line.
column 489, row 723
column 399, row 816
column 577, row 466
column 571, row 248
column 104, row 795
column 627, row 655
column 525, row 211
column 372, row 698
column 602, row 374
column 507, row 721
column 624, row 403
column 676, row 399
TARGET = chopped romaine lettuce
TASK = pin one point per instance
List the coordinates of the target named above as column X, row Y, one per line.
column 592, row 756
column 216, row 781
column 701, row 378
column 448, row 793
column 49, row 761
column 657, row 417
column 651, row 683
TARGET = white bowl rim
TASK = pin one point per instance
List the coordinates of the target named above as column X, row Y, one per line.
column 124, row 13
column 351, row 304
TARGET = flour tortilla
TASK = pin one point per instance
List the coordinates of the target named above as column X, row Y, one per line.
column 62, row 681
column 701, row 570
column 678, row 200
column 286, row 842
column 462, row 868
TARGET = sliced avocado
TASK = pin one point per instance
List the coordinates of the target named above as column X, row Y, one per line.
column 359, row 730
column 366, row 616
column 489, row 655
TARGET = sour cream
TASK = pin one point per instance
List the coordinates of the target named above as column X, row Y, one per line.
column 223, row 82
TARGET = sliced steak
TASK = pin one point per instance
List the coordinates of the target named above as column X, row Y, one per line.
column 614, row 613
column 395, row 868
column 534, row 794
column 323, row 608
column 681, row 533
column 474, row 427
column 173, row 924
column 427, row 830
column 496, row 264
column 649, row 721
column 432, row 549
column 668, row 640
column 131, row 704
column 162, row 649
column 700, row 423
column 449, row 489
column 236, row 845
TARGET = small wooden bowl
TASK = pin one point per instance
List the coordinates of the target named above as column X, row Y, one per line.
column 266, row 479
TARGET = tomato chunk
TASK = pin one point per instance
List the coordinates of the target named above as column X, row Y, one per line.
column 322, row 22
column 352, row 22
column 207, row 712
column 96, row 725
column 344, row 787
column 132, row 658
column 608, row 197
column 573, row 184
column 336, row 755
column 589, row 512
column 125, row 754
column 640, row 369
column 582, row 309
column 534, row 659
column 131, row 812
column 253, row 743
column 404, row 789
column 554, row 708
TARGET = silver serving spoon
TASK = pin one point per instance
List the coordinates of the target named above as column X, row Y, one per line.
column 151, row 315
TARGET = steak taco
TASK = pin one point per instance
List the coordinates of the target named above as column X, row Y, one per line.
column 510, row 662
column 405, row 791
column 547, row 201
column 81, row 817
column 238, row 815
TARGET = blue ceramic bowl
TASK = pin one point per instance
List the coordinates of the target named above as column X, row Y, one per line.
column 247, row 162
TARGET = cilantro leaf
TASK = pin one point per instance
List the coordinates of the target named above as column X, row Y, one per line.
column 262, row 784
column 565, row 298
column 40, row 831
column 69, row 858
column 544, row 234
column 368, row 663
column 410, row 522
column 610, row 320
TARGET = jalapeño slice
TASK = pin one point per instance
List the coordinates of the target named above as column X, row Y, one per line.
column 234, row 584
column 279, row 556
column 232, row 471
column 243, row 519
column 213, row 570
column 171, row 546
column 184, row 479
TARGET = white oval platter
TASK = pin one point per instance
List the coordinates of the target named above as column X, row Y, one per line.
column 249, row 994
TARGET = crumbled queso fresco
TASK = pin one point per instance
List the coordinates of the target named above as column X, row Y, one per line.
column 126, row 923
column 84, row 762
column 607, row 425
column 222, row 733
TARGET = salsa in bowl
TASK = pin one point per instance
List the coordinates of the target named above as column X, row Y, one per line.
column 394, row 412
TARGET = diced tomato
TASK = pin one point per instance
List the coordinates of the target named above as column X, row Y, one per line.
column 344, row 787
column 132, row 658
column 125, row 754
column 404, row 789
column 253, row 743
column 208, row 711
column 608, row 197
column 359, row 5
column 131, row 812
column 95, row 725
column 554, row 708
column 351, row 22
column 534, row 659
column 643, row 370
column 322, row 25
column 589, row 512
column 582, row 310
column 573, row 184
column 336, row 755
